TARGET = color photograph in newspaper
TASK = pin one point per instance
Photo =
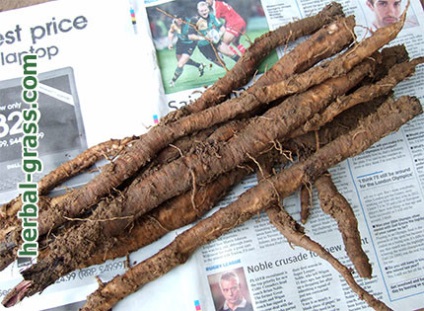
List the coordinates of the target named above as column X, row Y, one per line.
column 197, row 41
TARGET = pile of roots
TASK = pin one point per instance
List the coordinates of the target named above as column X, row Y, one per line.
column 328, row 99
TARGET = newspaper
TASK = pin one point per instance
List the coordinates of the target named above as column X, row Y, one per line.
column 92, row 56
column 384, row 186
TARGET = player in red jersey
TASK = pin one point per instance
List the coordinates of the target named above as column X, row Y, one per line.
column 235, row 25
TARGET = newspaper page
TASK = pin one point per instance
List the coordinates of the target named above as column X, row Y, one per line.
column 384, row 185
column 91, row 60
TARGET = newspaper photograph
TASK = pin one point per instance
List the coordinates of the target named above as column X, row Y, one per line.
column 173, row 25
column 59, row 141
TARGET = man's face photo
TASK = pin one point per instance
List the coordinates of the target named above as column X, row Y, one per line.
column 203, row 10
column 231, row 291
column 386, row 11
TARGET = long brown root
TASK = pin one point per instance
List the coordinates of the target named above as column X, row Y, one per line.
column 190, row 207
column 334, row 203
column 384, row 86
column 324, row 43
column 389, row 118
column 335, row 67
column 295, row 235
column 112, row 217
